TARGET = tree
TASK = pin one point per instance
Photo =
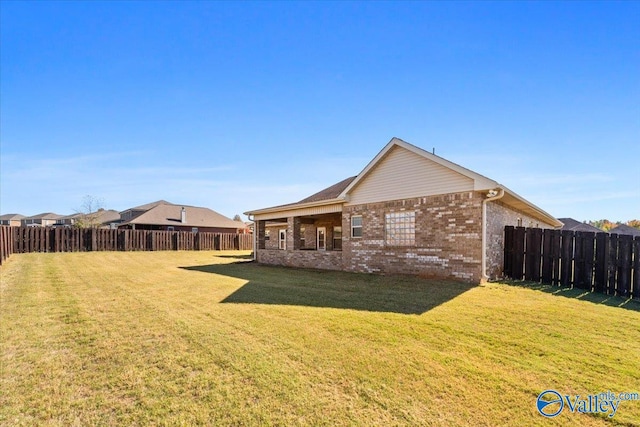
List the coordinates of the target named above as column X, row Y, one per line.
column 237, row 218
column 90, row 212
column 635, row 223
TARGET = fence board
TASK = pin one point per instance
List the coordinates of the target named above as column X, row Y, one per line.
column 566, row 262
column 623, row 286
column 518, row 253
column 533, row 253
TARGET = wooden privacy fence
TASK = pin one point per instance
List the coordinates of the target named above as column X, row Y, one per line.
column 47, row 239
column 595, row 262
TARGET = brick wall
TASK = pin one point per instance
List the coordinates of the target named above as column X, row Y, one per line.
column 326, row 260
column 272, row 242
column 447, row 238
column 499, row 216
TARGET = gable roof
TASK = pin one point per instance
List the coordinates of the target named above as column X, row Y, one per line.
column 477, row 181
column 480, row 182
column 169, row 214
column 625, row 229
column 575, row 225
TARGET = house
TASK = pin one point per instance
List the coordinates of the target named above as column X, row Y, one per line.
column 13, row 220
column 625, row 229
column 574, row 225
column 408, row 211
column 40, row 220
column 162, row 215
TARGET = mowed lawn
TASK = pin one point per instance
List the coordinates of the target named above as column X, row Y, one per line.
column 188, row 338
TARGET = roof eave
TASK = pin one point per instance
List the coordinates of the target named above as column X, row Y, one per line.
column 533, row 209
column 295, row 206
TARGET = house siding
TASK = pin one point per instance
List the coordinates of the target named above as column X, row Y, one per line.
column 402, row 174
column 448, row 240
column 498, row 216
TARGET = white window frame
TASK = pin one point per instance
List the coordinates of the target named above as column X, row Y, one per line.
column 337, row 230
column 354, row 227
column 324, row 241
column 282, row 239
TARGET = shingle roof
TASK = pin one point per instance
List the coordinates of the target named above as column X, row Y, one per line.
column 330, row 192
column 6, row 217
column 625, row 229
column 148, row 206
column 46, row 215
column 168, row 214
column 575, row 225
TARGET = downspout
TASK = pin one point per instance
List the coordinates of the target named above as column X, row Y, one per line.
column 255, row 233
column 491, row 196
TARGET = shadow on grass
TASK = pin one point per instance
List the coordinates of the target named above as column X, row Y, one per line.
column 334, row 289
column 243, row 257
column 580, row 294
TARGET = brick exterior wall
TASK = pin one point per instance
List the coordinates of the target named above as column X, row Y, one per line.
column 499, row 216
column 447, row 238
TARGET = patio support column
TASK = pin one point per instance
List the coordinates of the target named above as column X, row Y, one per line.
column 296, row 233
column 290, row 240
column 260, row 233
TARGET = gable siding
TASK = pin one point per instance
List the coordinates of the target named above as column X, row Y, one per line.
column 403, row 174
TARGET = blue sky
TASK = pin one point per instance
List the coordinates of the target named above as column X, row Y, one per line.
column 238, row 106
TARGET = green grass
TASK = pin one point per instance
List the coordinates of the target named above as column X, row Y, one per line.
column 187, row 338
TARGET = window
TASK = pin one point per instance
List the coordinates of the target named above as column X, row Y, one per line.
column 194, row 229
column 170, row 228
column 321, row 238
column 266, row 234
column 337, row 238
column 282, row 241
column 400, row 228
column 303, row 239
column 356, row 226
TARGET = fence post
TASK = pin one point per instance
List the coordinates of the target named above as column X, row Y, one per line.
column 612, row 267
column 635, row 292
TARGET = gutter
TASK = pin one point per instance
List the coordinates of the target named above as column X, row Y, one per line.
column 491, row 196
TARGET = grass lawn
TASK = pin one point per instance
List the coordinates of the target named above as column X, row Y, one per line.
column 185, row 338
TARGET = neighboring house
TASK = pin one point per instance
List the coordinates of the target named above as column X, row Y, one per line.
column 102, row 218
column 409, row 211
column 625, row 229
column 41, row 220
column 574, row 225
column 14, row 220
column 163, row 215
